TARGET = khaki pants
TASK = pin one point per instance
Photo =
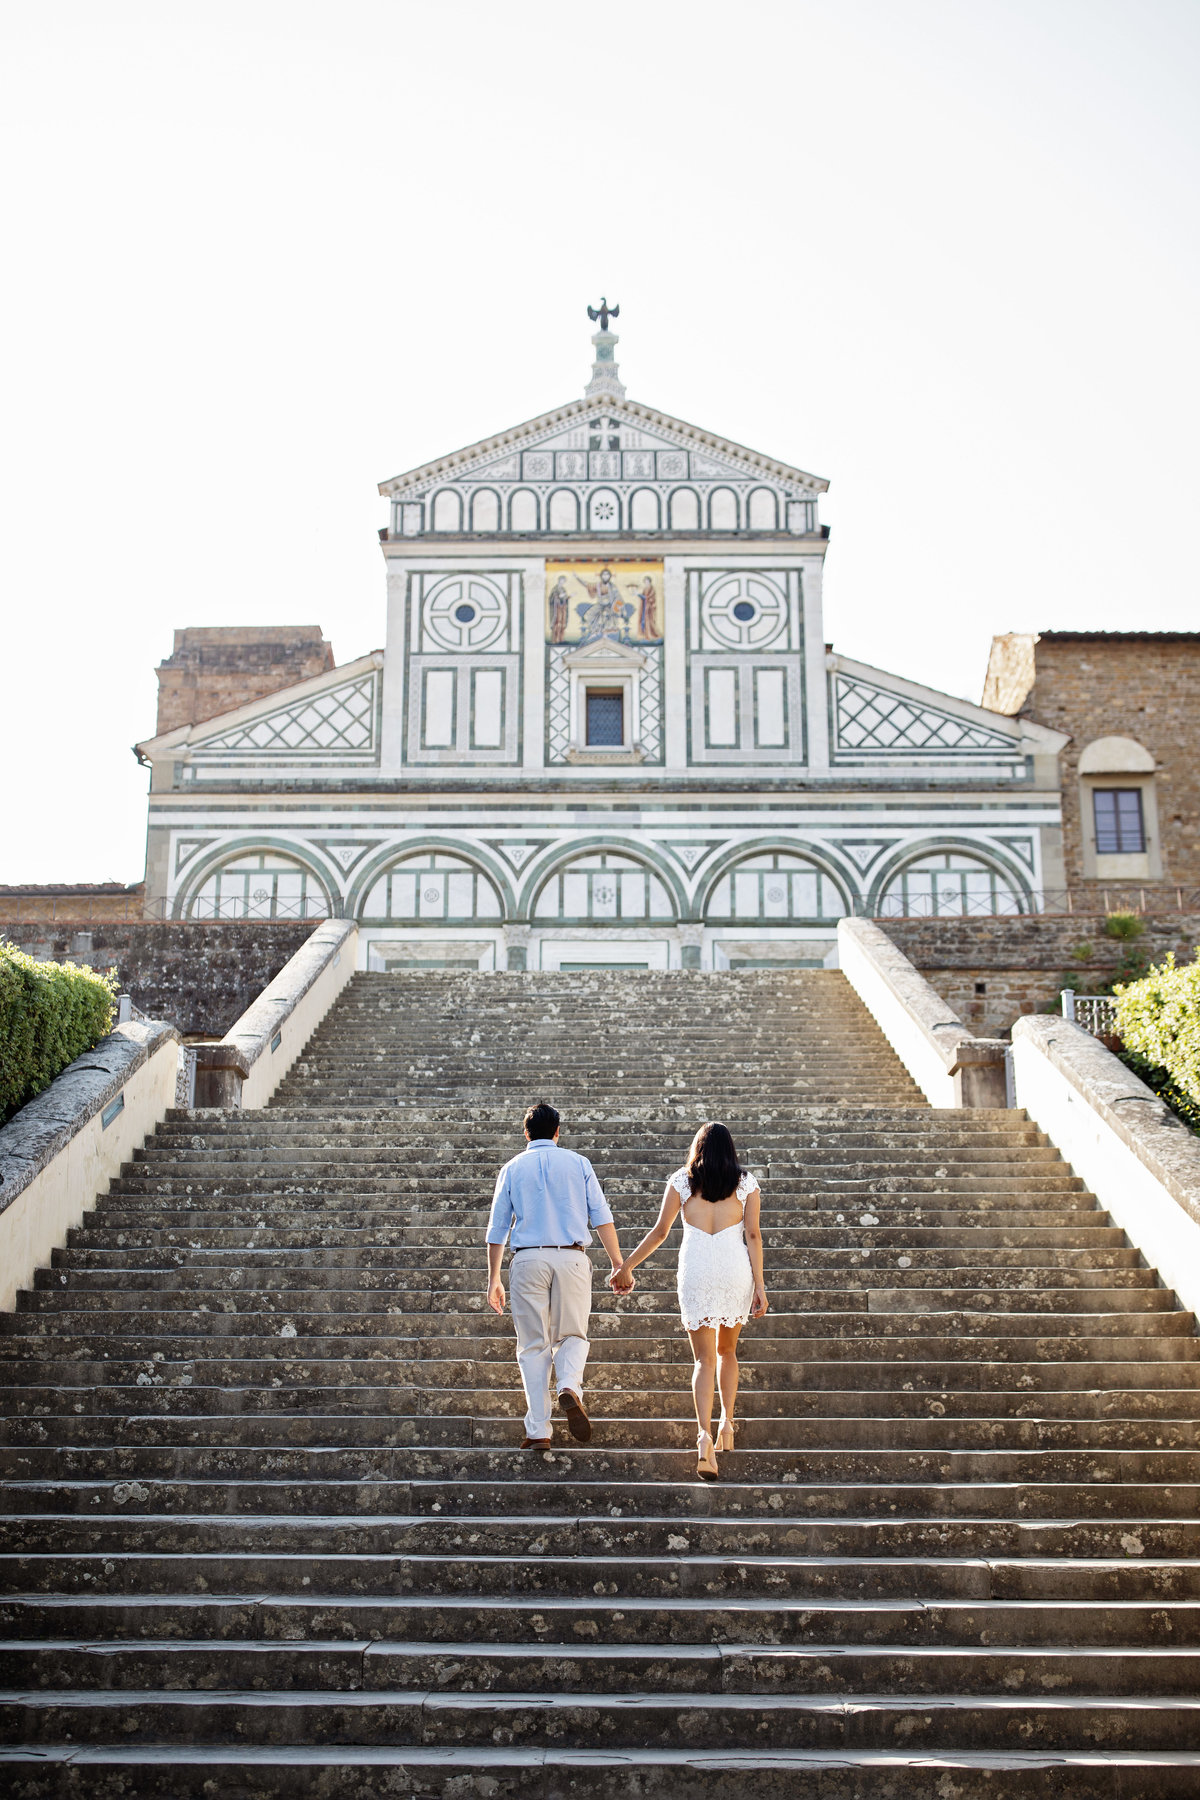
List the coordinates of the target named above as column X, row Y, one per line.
column 551, row 1296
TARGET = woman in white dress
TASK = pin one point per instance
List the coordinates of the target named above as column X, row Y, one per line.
column 720, row 1280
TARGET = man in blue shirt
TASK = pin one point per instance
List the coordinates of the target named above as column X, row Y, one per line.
column 546, row 1198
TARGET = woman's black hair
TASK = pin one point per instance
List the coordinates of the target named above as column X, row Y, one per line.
column 712, row 1165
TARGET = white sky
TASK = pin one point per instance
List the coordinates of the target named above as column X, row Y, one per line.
column 260, row 256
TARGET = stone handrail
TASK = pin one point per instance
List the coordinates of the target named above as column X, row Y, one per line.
column 1138, row 1157
column 64, row 1146
column 950, row 1065
column 251, row 1060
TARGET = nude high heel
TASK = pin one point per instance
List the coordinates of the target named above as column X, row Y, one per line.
column 706, row 1461
column 724, row 1437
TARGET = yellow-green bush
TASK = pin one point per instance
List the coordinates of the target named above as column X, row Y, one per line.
column 1159, row 1018
column 50, row 1013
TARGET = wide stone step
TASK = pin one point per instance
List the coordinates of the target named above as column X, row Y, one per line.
column 135, row 1575
column 30, row 1404
column 350, row 1374
column 451, row 1304
column 241, row 1464
column 675, row 1721
column 547, row 1618
column 283, row 1772
column 103, row 1256
column 1108, row 1539
column 548, row 1490
column 666, row 1428
column 289, row 1284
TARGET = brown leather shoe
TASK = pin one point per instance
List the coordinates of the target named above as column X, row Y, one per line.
column 578, row 1423
column 535, row 1443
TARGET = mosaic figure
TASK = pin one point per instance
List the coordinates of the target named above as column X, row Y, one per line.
column 648, row 609
column 605, row 613
column 560, row 603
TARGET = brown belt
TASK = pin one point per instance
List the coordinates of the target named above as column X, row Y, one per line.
column 521, row 1247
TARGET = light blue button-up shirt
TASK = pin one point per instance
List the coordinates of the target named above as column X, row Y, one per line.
column 546, row 1195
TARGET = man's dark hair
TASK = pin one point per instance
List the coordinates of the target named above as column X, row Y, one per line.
column 541, row 1121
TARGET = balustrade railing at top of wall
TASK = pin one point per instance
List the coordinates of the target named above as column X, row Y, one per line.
column 1097, row 1013
column 950, row 904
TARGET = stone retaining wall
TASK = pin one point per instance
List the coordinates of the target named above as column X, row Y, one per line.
column 199, row 976
column 992, row 971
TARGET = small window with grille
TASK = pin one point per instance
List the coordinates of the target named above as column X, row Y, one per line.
column 1120, row 830
column 605, row 718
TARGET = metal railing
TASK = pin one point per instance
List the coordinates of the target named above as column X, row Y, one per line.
column 1096, row 1013
column 63, row 910
column 1091, row 902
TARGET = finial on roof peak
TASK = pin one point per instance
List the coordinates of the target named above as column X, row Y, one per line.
column 605, row 382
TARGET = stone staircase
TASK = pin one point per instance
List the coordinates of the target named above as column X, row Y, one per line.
column 265, row 1530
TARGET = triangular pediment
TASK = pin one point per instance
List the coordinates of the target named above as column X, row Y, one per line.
column 580, row 442
column 608, row 654
column 333, row 716
column 882, row 717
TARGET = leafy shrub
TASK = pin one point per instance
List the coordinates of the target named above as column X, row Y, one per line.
column 50, row 1013
column 1158, row 1079
column 1159, row 1018
column 1124, row 925
column 1131, row 967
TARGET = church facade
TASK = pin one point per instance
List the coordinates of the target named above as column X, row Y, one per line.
column 606, row 730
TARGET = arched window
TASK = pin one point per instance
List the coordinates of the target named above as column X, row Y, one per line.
column 485, row 511
column 433, row 887
column 564, row 511
column 723, row 510
column 523, row 511
column 603, row 887
column 643, row 511
column 948, row 884
column 604, row 511
column 260, row 884
column 763, row 512
column 1119, row 811
column 685, row 510
column 775, row 888
column 447, row 511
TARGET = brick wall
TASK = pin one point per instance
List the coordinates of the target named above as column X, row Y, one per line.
column 213, row 669
column 199, row 977
column 73, row 901
column 1141, row 685
column 1020, row 963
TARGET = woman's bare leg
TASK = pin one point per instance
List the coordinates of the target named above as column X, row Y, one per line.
column 727, row 1369
column 704, row 1370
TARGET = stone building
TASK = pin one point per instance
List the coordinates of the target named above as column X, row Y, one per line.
column 606, row 729
column 1128, row 703
column 216, row 669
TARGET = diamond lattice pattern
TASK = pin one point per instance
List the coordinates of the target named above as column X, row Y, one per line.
column 869, row 718
column 341, row 718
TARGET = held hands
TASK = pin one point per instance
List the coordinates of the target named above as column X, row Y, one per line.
column 621, row 1280
column 495, row 1295
column 759, row 1308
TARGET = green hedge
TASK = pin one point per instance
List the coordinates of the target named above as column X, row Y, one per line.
column 50, row 1013
column 1159, row 1018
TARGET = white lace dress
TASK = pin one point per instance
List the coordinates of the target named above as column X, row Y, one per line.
column 715, row 1281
